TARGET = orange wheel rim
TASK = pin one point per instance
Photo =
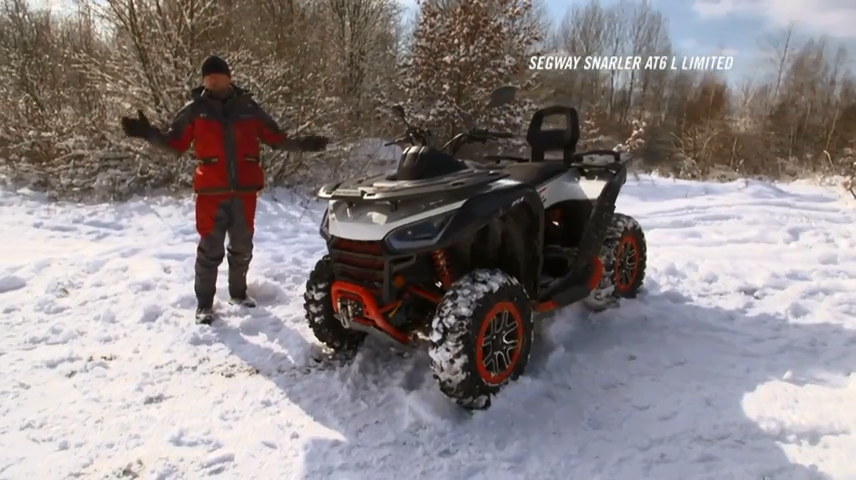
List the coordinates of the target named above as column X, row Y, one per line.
column 627, row 258
column 499, row 343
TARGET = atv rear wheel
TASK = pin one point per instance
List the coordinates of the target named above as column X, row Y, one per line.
column 318, row 304
column 482, row 334
column 624, row 259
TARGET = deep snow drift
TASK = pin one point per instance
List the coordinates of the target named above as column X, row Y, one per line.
column 737, row 363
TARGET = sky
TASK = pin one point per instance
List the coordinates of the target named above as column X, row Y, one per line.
column 742, row 28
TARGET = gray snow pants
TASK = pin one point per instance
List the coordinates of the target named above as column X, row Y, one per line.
column 216, row 217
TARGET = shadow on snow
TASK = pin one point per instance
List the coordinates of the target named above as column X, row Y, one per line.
column 652, row 390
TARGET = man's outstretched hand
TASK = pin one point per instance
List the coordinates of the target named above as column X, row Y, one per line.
column 312, row 143
column 139, row 127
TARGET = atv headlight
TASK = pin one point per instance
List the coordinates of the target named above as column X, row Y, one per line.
column 324, row 230
column 418, row 234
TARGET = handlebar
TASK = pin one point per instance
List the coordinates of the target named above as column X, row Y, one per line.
column 483, row 135
column 418, row 136
column 506, row 158
column 502, row 134
column 414, row 135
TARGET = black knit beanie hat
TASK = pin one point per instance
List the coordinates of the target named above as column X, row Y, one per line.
column 215, row 64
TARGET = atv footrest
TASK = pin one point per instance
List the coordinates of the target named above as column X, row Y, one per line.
column 572, row 295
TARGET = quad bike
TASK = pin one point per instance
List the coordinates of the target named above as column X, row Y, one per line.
column 466, row 258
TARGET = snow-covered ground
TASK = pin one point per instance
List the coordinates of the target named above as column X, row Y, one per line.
column 737, row 363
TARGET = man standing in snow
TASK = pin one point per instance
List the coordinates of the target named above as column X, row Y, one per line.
column 225, row 126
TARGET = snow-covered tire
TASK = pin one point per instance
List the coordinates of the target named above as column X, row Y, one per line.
column 481, row 305
column 624, row 257
column 318, row 304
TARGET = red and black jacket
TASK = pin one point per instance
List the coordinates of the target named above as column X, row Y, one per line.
column 226, row 135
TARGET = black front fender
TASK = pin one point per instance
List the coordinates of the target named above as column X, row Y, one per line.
column 478, row 211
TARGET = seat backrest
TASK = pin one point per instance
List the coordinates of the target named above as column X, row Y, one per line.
column 557, row 139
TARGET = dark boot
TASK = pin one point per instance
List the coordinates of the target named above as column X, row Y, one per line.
column 245, row 301
column 204, row 316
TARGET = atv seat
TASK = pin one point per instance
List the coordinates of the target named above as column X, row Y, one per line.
column 535, row 174
column 423, row 163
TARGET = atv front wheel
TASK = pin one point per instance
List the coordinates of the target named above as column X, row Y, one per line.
column 318, row 304
column 482, row 333
column 624, row 256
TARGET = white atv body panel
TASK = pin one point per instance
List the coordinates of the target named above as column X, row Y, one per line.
column 372, row 221
column 569, row 186
column 572, row 186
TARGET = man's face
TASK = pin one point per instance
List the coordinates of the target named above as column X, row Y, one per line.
column 217, row 82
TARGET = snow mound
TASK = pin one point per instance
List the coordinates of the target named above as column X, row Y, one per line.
column 736, row 362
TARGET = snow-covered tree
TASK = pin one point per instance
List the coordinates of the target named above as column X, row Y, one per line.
column 329, row 67
column 460, row 52
column 636, row 141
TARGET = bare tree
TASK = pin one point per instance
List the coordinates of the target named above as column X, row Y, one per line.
column 780, row 46
column 363, row 36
